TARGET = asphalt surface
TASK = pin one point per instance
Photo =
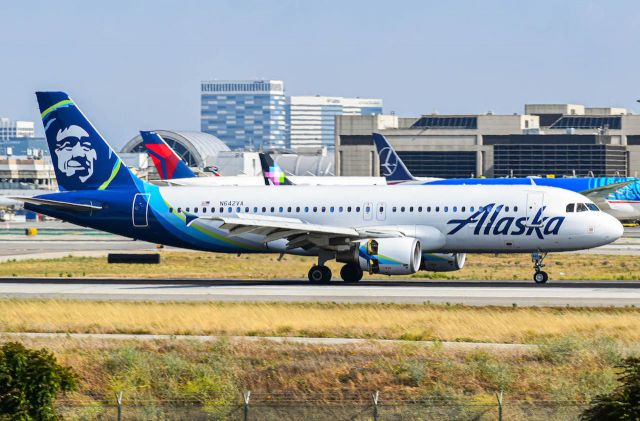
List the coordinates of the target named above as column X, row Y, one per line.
column 500, row 293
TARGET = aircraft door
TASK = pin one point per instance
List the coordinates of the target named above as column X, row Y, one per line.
column 534, row 204
column 367, row 211
column 381, row 211
column 140, row 210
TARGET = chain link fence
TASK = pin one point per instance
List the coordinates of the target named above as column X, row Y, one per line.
column 266, row 408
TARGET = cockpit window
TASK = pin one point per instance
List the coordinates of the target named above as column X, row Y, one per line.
column 592, row 207
column 581, row 207
column 571, row 207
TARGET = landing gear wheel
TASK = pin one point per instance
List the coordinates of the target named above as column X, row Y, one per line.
column 540, row 277
column 319, row 275
column 351, row 273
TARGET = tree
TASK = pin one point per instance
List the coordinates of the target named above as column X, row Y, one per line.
column 30, row 380
column 624, row 402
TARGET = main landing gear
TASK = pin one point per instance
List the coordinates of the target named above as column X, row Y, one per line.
column 540, row 277
column 320, row 274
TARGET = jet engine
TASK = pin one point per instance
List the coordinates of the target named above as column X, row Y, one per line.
column 390, row 256
column 441, row 262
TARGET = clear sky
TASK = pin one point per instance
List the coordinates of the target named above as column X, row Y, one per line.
column 136, row 65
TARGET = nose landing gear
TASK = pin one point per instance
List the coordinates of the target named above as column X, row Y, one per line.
column 540, row 277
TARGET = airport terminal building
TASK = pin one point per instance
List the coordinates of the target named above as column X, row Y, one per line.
column 548, row 139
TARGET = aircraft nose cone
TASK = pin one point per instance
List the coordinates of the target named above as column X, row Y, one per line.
column 612, row 228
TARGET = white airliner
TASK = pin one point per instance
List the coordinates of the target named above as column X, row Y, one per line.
column 391, row 230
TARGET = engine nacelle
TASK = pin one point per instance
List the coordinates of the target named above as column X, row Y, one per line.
column 390, row 256
column 440, row 262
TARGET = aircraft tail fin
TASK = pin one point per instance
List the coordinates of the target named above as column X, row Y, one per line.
column 166, row 160
column 391, row 166
column 82, row 159
column 272, row 173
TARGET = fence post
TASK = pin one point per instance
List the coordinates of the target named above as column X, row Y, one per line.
column 119, row 402
column 499, row 397
column 246, row 396
column 375, row 405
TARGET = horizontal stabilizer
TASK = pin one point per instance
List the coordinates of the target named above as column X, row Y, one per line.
column 79, row 207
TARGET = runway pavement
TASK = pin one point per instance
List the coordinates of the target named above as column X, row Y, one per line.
column 502, row 293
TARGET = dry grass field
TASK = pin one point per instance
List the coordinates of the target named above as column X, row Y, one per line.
column 384, row 321
column 264, row 266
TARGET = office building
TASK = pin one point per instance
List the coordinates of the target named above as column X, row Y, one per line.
column 11, row 129
column 245, row 114
column 311, row 119
column 547, row 140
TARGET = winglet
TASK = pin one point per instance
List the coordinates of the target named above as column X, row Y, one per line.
column 391, row 166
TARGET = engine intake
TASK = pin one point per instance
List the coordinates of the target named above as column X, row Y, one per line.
column 390, row 256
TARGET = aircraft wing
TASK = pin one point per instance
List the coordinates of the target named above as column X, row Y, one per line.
column 599, row 194
column 297, row 232
column 56, row 203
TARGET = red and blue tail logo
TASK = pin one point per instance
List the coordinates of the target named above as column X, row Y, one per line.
column 167, row 162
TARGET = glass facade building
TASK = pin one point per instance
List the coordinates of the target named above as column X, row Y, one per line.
column 245, row 114
column 10, row 129
column 311, row 119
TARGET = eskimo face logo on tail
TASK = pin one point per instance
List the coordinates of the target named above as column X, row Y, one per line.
column 75, row 154
column 489, row 221
column 388, row 161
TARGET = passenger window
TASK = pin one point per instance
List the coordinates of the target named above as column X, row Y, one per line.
column 186, row 210
column 437, row 208
column 581, row 207
column 221, row 209
column 331, row 209
column 381, row 209
column 506, row 208
column 462, row 210
column 179, row 210
column 419, row 208
column 349, row 209
column 255, row 209
column 289, row 209
column 246, row 209
column 306, row 208
column 455, row 209
column 280, row 209
column 264, row 209
column 213, row 210
column 315, row 209
column 515, row 209
column 273, row 209
column 411, row 209
column 571, row 207
column 340, row 209
column 393, row 209
column 593, row 207
column 170, row 210
column 357, row 208
column 472, row 208
column 238, row 209
column 446, row 208
column 298, row 209
column 230, row 209
column 324, row 209
column 402, row 209
column 428, row 208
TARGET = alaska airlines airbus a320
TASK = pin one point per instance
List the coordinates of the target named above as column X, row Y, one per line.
column 392, row 230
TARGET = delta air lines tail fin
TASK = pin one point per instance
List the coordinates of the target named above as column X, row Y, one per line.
column 167, row 162
column 82, row 159
column 391, row 166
